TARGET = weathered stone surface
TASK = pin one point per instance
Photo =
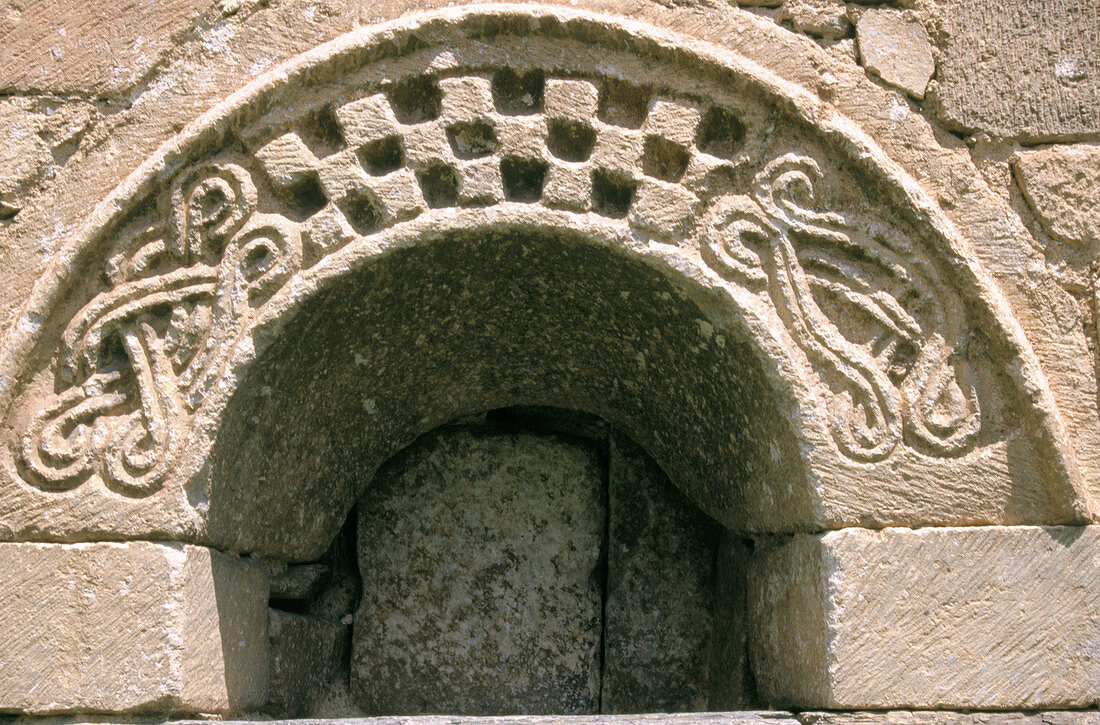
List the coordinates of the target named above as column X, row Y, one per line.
column 348, row 180
column 821, row 18
column 479, row 553
column 950, row 718
column 299, row 582
column 306, row 654
column 1029, row 70
column 1062, row 186
column 131, row 627
column 895, row 47
column 986, row 618
column 90, row 47
column 773, row 717
column 36, row 137
column 995, row 480
column 658, row 613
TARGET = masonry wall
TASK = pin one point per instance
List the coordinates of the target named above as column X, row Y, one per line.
column 999, row 98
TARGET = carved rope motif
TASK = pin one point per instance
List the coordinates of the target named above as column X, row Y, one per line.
column 905, row 382
column 138, row 360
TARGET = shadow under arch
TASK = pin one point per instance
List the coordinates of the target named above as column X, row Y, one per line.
column 489, row 318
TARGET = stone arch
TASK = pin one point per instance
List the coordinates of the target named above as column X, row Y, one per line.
column 907, row 389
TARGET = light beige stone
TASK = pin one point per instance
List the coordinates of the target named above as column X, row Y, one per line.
column 895, row 47
column 284, row 494
column 1027, row 70
column 950, row 718
column 131, row 627
column 931, row 425
column 37, row 135
column 982, row 618
column 821, row 18
column 95, row 47
column 1062, row 186
column 479, row 553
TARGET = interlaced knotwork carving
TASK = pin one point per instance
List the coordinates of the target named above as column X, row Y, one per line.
column 140, row 354
column 137, row 362
column 902, row 379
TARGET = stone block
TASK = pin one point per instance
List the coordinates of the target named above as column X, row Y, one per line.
column 658, row 613
column 1028, row 70
column 121, row 627
column 37, row 136
column 1062, row 186
column 771, row 717
column 821, row 18
column 902, row 717
column 479, row 552
column 305, row 659
column 896, row 48
column 982, row 618
column 567, row 98
column 104, row 48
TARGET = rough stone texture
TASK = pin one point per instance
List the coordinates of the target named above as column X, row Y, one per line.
column 101, row 48
column 1062, row 186
column 984, row 618
column 36, row 137
column 480, row 557
column 1000, row 482
column 821, row 18
column 306, row 658
column 131, row 627
column 949, row 718
column 1022, row 69
column 895, row 47
column 659, row 630
column 719, row 718
column 160, row 401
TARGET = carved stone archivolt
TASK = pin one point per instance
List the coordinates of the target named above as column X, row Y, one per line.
column 718, row 175
column 875, row 319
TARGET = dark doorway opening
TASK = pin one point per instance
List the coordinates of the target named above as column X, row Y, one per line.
column 526, row 560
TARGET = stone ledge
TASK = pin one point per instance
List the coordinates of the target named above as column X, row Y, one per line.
column 769, row 717
column 901, row 717
column 130, row 627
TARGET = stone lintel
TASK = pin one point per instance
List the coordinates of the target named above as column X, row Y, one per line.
column 981, row 617
column 131, row 627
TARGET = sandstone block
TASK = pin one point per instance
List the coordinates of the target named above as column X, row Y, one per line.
column 37, row 136
column 1030, row 70
column 118, row 627
column 1062, row 186
column 479, row 552
column 1064, row 717
column 98, row 47
column 821, row 18
column 983, row 618
column 897, row 49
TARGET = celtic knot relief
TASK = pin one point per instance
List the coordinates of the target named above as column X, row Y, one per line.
column 872, row 317
column 141, row 356
column 137, row 362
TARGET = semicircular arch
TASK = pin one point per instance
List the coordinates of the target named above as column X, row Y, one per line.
column 909, row 390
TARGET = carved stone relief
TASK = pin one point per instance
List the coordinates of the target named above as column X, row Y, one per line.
column 728, row 186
